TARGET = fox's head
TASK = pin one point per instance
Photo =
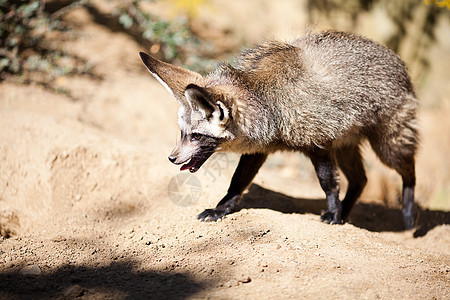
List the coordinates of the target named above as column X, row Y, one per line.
column 204, row 116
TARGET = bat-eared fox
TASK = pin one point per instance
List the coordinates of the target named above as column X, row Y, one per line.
column 321, row 95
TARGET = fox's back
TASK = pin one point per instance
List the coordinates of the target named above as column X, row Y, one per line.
column 360, row 62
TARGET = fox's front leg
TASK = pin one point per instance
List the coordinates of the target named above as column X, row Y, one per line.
column 246, row 170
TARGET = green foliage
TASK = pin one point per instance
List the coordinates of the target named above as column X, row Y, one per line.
column 30, row 37
column 17, row 22
column 25, row 46
column 172, row 36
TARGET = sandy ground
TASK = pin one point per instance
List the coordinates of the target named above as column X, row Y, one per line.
column 91, row 208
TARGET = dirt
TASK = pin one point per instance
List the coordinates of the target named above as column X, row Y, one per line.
column 91, row 208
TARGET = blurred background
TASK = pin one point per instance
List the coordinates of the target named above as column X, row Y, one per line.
column 38, row 47
column 197, row 33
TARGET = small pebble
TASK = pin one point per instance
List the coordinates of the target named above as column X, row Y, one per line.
column 73, row 291
column 31, row 270
column 245, row 279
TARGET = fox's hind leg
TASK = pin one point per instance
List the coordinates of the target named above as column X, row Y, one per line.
column 246, row 170
column 350, row 162
column 326, row 170
column 396, row 145
column 403, row 162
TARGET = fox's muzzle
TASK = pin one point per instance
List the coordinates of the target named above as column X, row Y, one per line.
column 193, row 150
column 193, row 163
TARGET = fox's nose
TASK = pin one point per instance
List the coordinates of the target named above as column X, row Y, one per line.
column 172, row 158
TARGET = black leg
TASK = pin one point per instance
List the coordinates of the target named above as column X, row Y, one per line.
column 326, row 171
column 409, row 207
column 395, row 153
column 350, row 161
column 246, row 170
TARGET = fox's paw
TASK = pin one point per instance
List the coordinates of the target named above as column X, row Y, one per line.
column 221, row 210
column 213, row 214
column 331, row 217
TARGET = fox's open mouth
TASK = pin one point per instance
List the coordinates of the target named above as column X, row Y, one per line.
column 191, row 165
column 195, row 163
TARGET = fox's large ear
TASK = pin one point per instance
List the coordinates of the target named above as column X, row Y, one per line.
column 173, row 78
column 201, row 99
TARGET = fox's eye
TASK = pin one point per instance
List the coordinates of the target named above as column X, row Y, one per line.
column 195, row 137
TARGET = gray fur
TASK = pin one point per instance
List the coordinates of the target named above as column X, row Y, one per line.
column 323, row 89
column 321, row 94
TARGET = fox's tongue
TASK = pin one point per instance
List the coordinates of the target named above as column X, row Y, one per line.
column 190, row 165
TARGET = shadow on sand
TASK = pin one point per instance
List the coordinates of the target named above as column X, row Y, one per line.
column 118, row 280
column 373, row 217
